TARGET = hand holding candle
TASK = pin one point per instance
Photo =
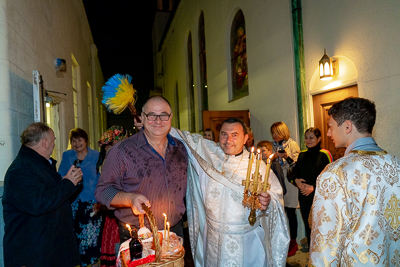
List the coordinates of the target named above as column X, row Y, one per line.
column 251, row 158
column 266, row 184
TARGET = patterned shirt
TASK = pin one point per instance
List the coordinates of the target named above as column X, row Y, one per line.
column 134, row 166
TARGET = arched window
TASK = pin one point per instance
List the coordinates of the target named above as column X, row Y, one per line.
column 192, row 119
column 203, row 65
column 176, row 112
column 239, row 72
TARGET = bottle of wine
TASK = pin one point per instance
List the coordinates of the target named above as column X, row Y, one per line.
column 135, row 246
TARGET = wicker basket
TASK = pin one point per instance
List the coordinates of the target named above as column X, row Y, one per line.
column 168, row 261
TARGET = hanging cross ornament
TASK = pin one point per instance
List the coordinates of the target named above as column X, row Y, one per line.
column 253, row 187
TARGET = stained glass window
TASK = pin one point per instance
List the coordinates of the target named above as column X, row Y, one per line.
column 239, row 68
column 192, row 119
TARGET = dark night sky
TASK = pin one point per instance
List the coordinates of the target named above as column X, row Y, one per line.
column 121, row 30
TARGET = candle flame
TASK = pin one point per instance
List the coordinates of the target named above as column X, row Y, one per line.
column 252, row 149
column 258, row 157
column 168, row 223
column 128, row 226
column 165, row 215
column 272, row 155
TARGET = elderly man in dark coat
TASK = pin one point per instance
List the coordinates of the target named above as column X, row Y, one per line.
column 37, row 212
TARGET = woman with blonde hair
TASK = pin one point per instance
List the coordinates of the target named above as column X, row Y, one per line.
column 287, row 151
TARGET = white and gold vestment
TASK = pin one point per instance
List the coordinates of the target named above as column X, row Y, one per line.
column 356, row 212
column 220, row 233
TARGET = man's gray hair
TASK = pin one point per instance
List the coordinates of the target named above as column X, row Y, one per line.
column 35, row 132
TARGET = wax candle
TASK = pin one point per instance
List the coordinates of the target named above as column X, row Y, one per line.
column 251, row 158
column 266, row 185
column 129, row 229
column 168, row 234
column 165, row 224
column 255, row 180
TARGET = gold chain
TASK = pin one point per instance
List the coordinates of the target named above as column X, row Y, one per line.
column 223, row 172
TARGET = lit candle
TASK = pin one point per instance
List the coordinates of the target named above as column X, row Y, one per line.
column 251, row 158
column 255, row 180
column 129, row 228
column 168, row 234
column 165, row 224
column 266, row 185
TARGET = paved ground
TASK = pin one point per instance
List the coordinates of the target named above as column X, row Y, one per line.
column 300, row 259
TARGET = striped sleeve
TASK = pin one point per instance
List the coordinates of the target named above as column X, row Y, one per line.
column 328, row 154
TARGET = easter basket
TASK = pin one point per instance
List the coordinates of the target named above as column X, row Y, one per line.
column 175, row 260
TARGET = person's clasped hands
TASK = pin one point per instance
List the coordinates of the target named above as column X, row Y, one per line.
column 304, row 188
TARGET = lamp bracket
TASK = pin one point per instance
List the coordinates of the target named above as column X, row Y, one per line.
column 335, row 66
column 55, row 92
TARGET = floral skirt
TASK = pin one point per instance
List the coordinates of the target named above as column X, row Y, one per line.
column 87, row 229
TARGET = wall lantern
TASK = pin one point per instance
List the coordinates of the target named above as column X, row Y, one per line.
column 51, row 99
column 48, row 100
column 327, row 67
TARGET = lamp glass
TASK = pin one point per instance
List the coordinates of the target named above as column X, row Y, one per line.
column 321, row 70
column 325, row 67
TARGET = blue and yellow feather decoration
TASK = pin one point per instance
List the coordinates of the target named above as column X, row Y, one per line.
column 119, row 94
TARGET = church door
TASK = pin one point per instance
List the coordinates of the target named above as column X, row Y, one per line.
column 213, row 119
column 322, row 103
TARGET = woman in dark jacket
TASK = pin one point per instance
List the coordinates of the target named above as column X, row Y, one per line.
column 310, row 164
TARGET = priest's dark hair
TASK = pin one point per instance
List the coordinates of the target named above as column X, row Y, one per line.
column 237, row 120
column 360, row 111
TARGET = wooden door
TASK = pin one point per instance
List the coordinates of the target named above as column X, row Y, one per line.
column 322, row 103
column 213, row 119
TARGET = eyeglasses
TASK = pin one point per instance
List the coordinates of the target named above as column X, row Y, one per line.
column 152, row 117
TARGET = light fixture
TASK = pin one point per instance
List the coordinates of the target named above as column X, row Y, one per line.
column 48, row 100
column 327, row 67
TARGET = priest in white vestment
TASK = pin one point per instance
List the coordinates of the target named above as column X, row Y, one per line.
column 220, row 233
column 356, row 209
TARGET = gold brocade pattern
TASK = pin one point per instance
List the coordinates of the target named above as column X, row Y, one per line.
column 392, row 212
column 356, row 212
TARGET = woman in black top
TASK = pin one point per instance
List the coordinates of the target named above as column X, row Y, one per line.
column 310, row 164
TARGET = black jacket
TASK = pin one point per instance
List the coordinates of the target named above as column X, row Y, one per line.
column 37, row 214
column 310, row 164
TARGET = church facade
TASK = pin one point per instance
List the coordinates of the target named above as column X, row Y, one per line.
column 263, row 56
column 49, row 71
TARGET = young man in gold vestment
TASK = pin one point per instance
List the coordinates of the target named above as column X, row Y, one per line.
column 356, row 209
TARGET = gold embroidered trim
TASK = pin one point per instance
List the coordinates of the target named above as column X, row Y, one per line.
column 363, row 152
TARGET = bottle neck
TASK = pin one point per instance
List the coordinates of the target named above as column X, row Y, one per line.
column 134, row 234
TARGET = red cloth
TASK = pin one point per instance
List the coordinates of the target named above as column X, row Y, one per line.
column 110, row 238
